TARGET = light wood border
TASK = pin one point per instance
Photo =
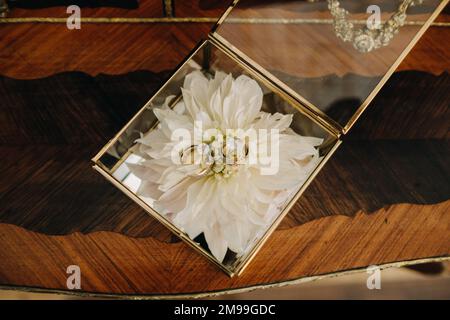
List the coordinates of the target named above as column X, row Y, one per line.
column 212, row 294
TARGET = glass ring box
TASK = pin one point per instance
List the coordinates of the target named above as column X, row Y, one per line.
column 230, row 142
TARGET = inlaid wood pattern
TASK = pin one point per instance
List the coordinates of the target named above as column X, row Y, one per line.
column 116, row 264
column 383, row 197
column 36, row 50
column 26, row 51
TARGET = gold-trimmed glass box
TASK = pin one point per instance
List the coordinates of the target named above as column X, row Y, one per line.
column 228, row 144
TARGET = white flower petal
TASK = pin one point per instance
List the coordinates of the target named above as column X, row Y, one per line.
column 216, row 242
column 174, row 200
column 273, row 121
column 149, row 189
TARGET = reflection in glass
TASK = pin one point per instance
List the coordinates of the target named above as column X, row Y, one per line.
column 373, row 34
column 301, row 44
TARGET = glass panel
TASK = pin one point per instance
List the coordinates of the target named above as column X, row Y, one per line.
column 218, row 154
column 317, row 50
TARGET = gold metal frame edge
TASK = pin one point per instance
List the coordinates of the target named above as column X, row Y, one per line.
column 240, row 264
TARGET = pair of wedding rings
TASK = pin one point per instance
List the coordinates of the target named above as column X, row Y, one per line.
column 187, row 156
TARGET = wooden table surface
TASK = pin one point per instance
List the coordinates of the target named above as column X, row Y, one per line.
column 383, row 199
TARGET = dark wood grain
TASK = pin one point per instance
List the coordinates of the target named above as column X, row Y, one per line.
column 412, row 105
column 200, row 8
column 27, row 4
column 57, row 9
column 47, row 183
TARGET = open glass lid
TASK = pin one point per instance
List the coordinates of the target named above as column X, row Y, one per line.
column 330, row 55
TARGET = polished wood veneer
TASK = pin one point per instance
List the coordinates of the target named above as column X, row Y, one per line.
column 382, row 199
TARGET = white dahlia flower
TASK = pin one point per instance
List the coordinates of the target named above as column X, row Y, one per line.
column 232, row 201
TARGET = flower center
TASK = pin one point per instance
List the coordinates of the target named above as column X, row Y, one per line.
column 220, row 156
